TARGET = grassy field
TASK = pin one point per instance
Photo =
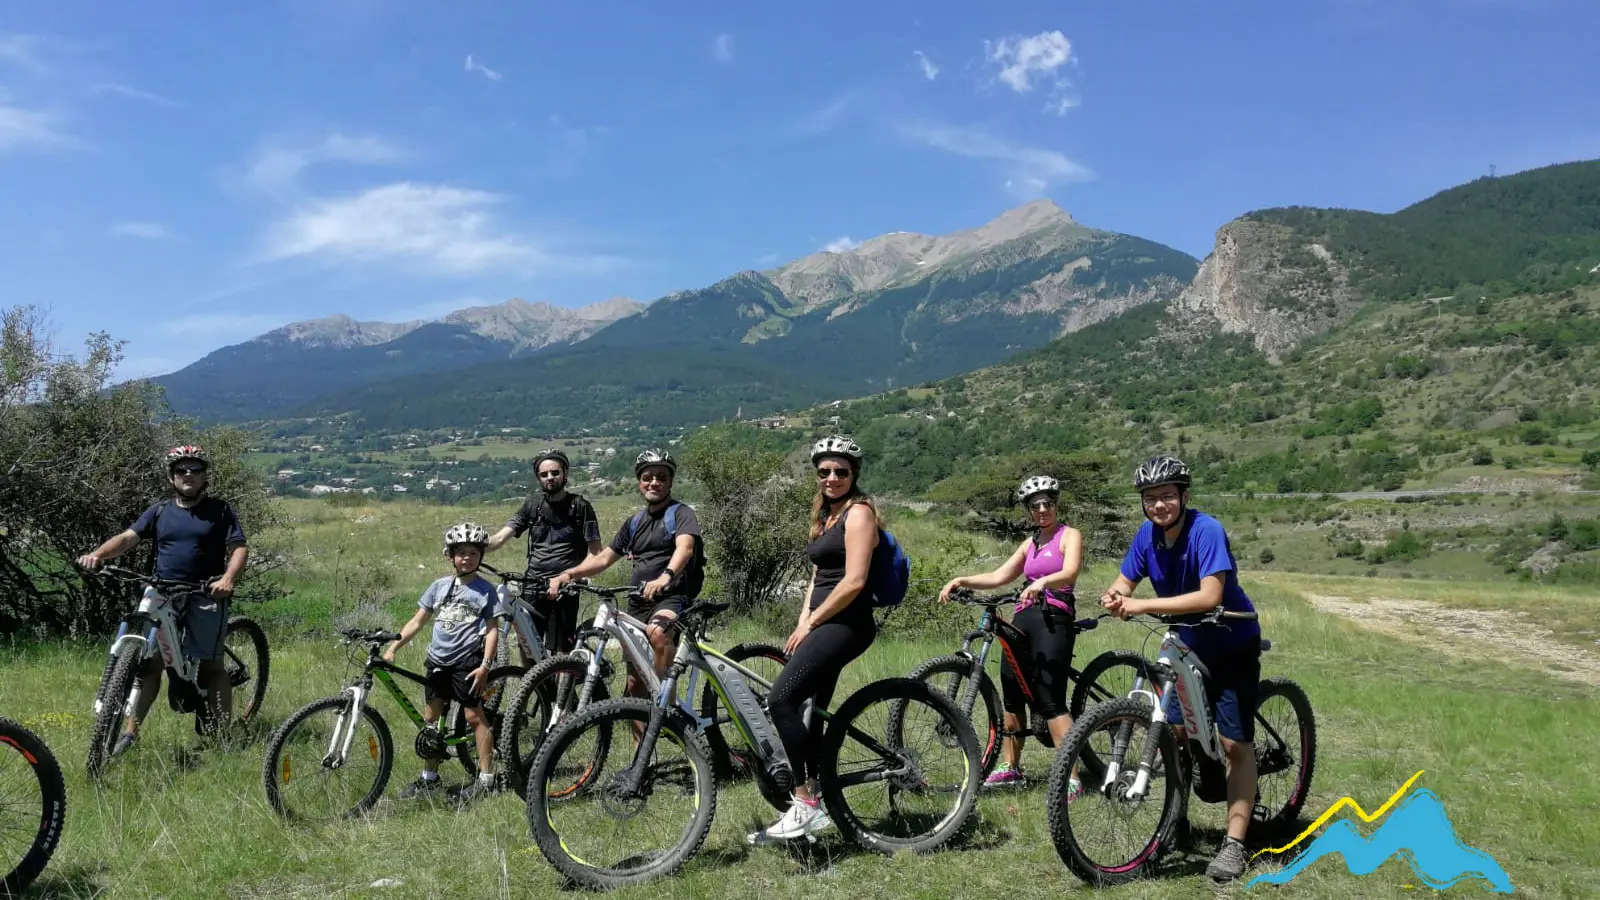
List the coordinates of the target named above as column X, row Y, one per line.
column 1501, row 743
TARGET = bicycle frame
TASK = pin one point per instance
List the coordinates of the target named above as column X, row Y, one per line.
column 380, row 670
column 992, row 627
column 161, row 612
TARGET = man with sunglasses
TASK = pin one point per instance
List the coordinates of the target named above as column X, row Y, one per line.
column 663, row 541
column 197, row 538
column 562, row 531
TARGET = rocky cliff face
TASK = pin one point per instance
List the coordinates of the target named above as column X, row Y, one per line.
column 1270, row 282
column 529, row 326
column 338, row 332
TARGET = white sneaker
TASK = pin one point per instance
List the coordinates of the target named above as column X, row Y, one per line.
column 801, row 819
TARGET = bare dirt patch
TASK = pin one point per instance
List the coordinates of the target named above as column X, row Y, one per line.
column 1466, row 631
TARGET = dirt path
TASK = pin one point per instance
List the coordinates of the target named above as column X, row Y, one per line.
column 1467, row 630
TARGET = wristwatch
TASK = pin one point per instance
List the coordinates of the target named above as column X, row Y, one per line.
column 669, row 573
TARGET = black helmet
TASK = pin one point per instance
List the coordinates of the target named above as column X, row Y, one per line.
column 654, row 457
column 555, row 454
column 1159, row 470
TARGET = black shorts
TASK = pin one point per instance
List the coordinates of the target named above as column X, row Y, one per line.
column 452, row 683
column 557, row 621
column 1045, row 656
column 647, row 610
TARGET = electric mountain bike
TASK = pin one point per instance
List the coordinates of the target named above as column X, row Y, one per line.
column 890, row 783
column 1134, row 804
column 153, row 629
column 566, row 683
column 33, row 807
column 962, row 677
column 334, row 756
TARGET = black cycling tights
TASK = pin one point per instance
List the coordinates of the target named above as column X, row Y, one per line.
column 1044, row 660
column 811, row 674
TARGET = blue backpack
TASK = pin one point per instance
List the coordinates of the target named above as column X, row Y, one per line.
column 890, row 575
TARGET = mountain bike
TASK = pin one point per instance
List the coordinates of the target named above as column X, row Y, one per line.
column 344, row 739
column 33, row 806
column 566, row 683
column 1155, row 774
column 884, row 792
column 152, row 628
column 518, row 619
column 962, row 676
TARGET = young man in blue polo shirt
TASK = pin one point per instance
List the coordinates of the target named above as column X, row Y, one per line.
column 1186, row 556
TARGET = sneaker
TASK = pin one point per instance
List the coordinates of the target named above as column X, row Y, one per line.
column 420, row 787
column 802, row 819
column 1004, row 777
column 475, row 789
column 1229, row 863
column 124, row 744
column 1074, row 789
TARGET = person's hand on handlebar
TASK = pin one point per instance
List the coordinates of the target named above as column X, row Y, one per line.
column 556, row 584
column 1121, row 605
column 955, row 584
column 90, row 561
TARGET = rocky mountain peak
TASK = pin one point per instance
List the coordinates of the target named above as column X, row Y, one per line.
column 338, row 331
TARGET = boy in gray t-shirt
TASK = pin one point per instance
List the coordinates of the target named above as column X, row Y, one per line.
column 464, row 608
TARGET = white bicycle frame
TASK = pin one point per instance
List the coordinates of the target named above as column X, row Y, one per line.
column 163, row 636
column 520, row 622
column 1182, row 671
column 632, row 639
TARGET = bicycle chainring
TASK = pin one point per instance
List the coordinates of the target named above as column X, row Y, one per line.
column 430, row 744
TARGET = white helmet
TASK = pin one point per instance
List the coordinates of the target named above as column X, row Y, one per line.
column 654, row 457
column 466, row 533
column 1039, row 484
column 836, row 445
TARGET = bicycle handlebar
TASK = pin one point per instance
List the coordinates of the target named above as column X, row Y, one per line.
column 990, row 601
column 124, row 574
column 374, row 636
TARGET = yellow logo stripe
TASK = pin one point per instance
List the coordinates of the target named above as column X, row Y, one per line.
column 1341, row 804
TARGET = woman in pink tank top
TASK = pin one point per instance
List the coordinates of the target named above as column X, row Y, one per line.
column 1049, row 560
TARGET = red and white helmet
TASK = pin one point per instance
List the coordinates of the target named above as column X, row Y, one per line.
column 188, row 451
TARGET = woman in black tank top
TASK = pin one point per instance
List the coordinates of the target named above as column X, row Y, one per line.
column 835, row 626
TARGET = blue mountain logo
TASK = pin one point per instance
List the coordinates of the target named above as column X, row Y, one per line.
column 1418, row 831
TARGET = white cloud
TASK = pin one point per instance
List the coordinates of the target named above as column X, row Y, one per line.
column 221, row 326
column 133, row 93
column 22, row 128
column 22, row 51
column 149, row 231
column 435, row 228
column 929, row 70
column 840, row 245
column 277, row 166
column 1029, row 170
column 722, row 48
column 826, row 118
column 473, row 65
column 1027, row 62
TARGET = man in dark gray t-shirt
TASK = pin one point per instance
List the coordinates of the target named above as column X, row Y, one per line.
column 562, row 531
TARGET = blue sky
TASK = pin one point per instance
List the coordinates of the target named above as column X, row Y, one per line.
column 187, row 175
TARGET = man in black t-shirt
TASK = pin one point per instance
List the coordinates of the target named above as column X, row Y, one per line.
column 663, row 541
column 562, row 531
column 196, row 538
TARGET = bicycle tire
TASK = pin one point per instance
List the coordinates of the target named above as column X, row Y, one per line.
column 1089, row 688
column 608, row 715
column 988, row 725
column 258, row 640
column 113, row 700
column 730, row 761
column 1060, row 815
column 1305, row 767
column 53, row 806
column 900, row 692
column 272, row 765
column 502, row 680
column 515, row 721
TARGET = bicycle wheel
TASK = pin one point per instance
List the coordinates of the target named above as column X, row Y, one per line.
column 891, row 781
column 546, row 695
column 610, row 836
column 732, row 759
column 34, row 806
column 245, row 653
column 109, row 709
column 502, row 682
column 1286, row 753
column 1105, row 836
column 950, row 676
column 1107, row 677
column 307, row 780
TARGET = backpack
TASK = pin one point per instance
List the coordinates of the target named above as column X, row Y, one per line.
column 890, row 575
column 699, row 559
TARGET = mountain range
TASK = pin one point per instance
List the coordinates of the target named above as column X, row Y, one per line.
column 900, row 308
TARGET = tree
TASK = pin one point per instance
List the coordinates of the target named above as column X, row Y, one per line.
column 754, row 515
column 79, row 460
